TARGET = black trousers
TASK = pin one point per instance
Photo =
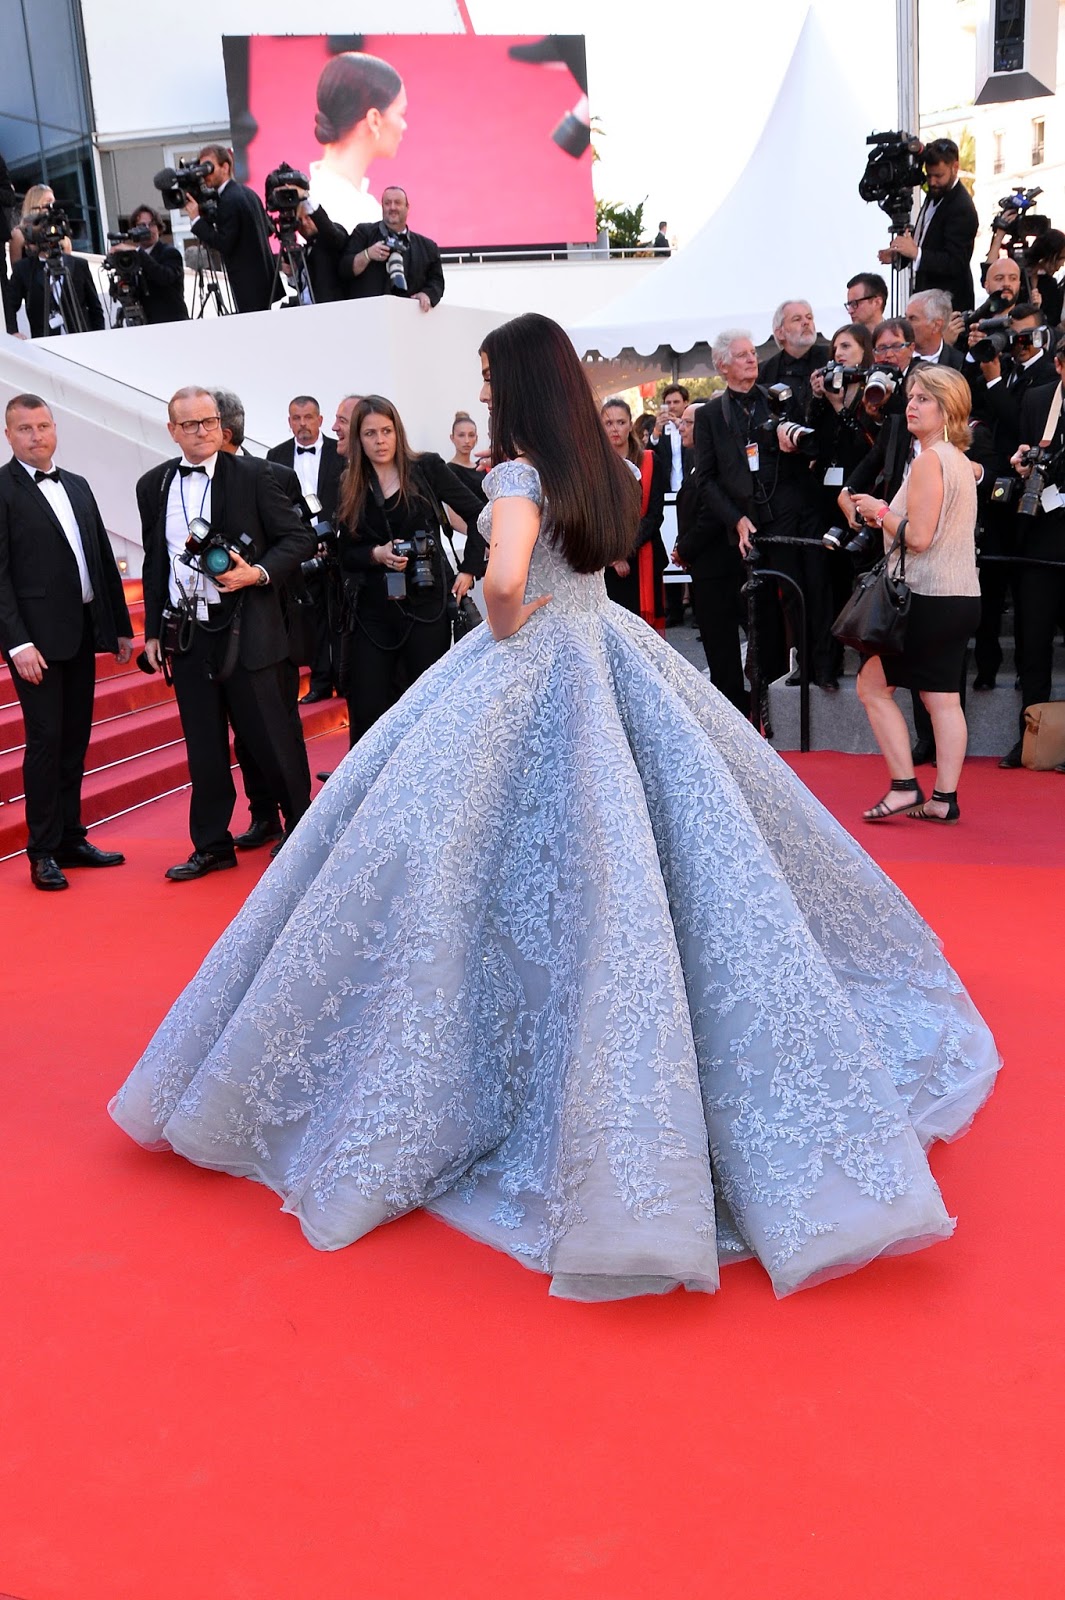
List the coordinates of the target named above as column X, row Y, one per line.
column 1040, row 598
column 57, row 714
column 264, row 802
column 386, row 651
column 809, row 568
column 256, row 704
column 325, row 661
column 718, row 609
column 997, row 578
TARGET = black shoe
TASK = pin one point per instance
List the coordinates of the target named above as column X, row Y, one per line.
column 1012, row 758
column 984, row 680
column 261, row 832
column 88, row 855
column 793, row 680
column 923, row 753
column 829, row 685
column 199, row 864
column 276, row 851
column 45, row 874
column 323, row 777
column 313, row 695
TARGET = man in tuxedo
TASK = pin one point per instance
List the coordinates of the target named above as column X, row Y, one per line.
column 317, row 464
column 661, row 244
column 1040, row 590
column 797, row 501
column 263, row 801
column 64, row 302
column 928, row 314
column 225, row 635
column 364, row 260
column 665, row 436
column 940, row 245
column 160, row 270
column 866, row 299
column 61, row 601
column 239, row 232
column 711, row 556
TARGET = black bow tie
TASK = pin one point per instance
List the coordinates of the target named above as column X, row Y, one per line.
column 186, row 471
column 46, row 477
column 306, row 449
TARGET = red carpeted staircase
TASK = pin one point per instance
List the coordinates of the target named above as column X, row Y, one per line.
column 136, row 752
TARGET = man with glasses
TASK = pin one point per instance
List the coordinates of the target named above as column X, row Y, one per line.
column 224, row 635
column 866, row 299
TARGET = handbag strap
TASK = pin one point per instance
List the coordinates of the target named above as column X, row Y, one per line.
column 899, row 544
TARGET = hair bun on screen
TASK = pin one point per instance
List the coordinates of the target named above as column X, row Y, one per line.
column 324, row 130
column 349, row 86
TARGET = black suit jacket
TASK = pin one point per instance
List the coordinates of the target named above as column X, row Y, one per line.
column 240, row 234
column 951, row 357
column 330, row 469
column 163, row 270
column 947, row 248
column 725, row 481
column 703, row 542
column 1041, row 536
column 40, row 589
column 29, row 287
column 245, row 498
column 425, row 274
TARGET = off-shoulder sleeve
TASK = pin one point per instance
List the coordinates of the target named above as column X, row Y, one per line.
column 514, row 479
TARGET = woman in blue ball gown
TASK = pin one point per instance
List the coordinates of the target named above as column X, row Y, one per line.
column 565, row 954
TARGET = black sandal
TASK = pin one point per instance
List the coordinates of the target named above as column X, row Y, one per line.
column 950, row 800
column 882, row 812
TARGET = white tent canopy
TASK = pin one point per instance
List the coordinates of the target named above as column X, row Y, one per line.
column 792, row 225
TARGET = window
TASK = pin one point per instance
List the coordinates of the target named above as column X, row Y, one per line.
column 999, row 163
column 1038, row 140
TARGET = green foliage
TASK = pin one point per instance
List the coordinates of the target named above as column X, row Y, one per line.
column 624, row 224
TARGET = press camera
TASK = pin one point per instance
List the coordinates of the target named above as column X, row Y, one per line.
column 185, row 182
column 210, row 552
column 418, row 575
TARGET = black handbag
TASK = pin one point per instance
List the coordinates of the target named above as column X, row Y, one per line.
column 465, row 616
column 875, row 617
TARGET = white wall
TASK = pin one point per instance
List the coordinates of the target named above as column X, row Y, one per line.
column 109, row 389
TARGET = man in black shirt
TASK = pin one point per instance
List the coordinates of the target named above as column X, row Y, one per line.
column 160, row 270
column 365, row 261
column 940, row 246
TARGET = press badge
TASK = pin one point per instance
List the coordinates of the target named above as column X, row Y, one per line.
column 752, row 457
column 834, row 478
column 1051, row 498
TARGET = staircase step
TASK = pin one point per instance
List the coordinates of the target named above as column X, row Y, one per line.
column 131, row 691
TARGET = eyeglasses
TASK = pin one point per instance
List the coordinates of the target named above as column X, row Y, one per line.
column 208, row 424
column 889, row 349
column 852, row 305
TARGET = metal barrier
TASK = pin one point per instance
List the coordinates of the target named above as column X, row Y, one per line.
column 756, row 580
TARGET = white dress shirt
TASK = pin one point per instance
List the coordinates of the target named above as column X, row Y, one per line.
column 308, row 465
column 59, row 501
column 188, row 498
column 676, row 470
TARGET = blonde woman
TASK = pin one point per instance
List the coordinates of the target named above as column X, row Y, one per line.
column 937, row 504
column 37, row 197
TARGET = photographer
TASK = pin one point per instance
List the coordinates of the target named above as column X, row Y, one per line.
column 8, row 200
column 318, row 466
column 928, row 314
column 398, row 601
column 388, row 258
column 220, row 538
column 1040, row 536
column 940, row 244
column 156, row 271
column 235, row 225
column 326, row 242
column 55, row 286
column 866, row 299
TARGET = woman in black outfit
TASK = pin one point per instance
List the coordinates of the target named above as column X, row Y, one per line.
column 389, row 493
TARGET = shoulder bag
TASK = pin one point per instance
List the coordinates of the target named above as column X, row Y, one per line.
column 874, row 619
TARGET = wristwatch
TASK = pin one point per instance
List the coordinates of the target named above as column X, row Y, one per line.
column 264, row 577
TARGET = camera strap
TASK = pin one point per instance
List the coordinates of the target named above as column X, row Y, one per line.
column 1050, row 427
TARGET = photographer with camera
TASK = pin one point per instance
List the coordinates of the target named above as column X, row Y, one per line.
column 1040, row 590
column 941, row 242
column 928, row 314
column 401, row 587
column 220, row 538
column 386, row 257
column 318, row 466
column 229, row 217
column 8, row 201
column 55, row 286
column 146, row 272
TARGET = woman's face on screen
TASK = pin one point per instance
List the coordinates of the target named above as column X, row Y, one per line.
column 391, row 125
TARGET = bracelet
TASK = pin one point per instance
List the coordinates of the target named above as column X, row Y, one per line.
column 882, row 513
column 366, row 253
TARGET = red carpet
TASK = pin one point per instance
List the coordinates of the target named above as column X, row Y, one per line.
column 196, row 1403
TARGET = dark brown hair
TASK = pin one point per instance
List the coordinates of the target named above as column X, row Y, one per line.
column 634, row 450
column 351, row 85
column 861, row 335
column 544, row 409
column 355, row 483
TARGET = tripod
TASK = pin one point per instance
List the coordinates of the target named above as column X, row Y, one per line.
column 291, row 277
column 63, row 312
column 207, row 290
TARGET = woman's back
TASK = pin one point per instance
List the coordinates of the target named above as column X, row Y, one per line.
column 549, row 571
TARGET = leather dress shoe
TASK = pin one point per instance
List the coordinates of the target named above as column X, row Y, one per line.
column 45, row 874
column 199, row 864
column 258, row 834
column 323, row 777
column 1012, row 758
column 276, row 851
column 88, row 855
column 923, row 753
column 829, row 685
column 984, row 681
column 314, row 695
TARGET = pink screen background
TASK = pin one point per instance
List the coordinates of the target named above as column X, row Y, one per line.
column 477, row 160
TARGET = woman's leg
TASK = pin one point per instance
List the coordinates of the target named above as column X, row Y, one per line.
column 952, row 737
column 892, row 735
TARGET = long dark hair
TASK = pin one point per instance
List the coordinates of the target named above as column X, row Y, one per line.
column 355, row 483
column 544, row 409
column 349, row 87
column 861, row 335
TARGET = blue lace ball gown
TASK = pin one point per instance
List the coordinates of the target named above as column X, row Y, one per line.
column 566, row 954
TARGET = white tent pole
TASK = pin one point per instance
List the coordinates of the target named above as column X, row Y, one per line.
column 907, row 66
